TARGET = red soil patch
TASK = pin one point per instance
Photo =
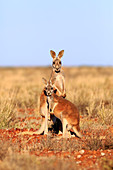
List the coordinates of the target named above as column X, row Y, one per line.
column 85, row 158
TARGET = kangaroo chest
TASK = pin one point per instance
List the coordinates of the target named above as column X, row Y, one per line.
column 43, row 104
column 59, row 81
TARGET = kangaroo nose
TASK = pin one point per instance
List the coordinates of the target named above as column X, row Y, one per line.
column 57, row 66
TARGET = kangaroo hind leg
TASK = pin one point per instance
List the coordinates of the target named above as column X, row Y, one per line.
column 42, row 128
column 65, row 132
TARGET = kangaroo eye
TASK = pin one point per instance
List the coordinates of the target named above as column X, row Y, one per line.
column 59, row 62
column 53, row 62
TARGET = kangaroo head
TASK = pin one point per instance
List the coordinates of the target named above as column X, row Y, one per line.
column 56, row 60
column 49, row 87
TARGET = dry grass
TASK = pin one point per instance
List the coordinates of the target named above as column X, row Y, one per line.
column 25, row 161
column 89, row 88
column 106, row 164
column 9, row 160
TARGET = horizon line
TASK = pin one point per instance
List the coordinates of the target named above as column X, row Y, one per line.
column 38, row 66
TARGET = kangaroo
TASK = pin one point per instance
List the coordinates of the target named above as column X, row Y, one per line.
column 63, row 109
column 58, row 74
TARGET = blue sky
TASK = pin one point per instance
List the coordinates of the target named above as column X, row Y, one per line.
column 30, row 28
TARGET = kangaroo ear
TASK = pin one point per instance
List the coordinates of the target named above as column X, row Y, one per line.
column 61, row 53
column 53, row 54
column 44, row 81
column 53, row 80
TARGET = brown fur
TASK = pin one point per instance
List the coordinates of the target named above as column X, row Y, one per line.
column 42, row 102
column 68, row 109
column 44, row 107
column 66, row 112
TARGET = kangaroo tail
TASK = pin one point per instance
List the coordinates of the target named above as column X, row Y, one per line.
column 77, row 131
column 38, row 132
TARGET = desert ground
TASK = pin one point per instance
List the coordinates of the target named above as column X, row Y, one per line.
column 89, row 88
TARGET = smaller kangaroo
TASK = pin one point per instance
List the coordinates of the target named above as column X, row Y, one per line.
column 58, row 73
column 63, row 109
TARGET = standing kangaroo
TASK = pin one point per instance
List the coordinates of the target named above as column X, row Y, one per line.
column 62, row 109
column 58, row 74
